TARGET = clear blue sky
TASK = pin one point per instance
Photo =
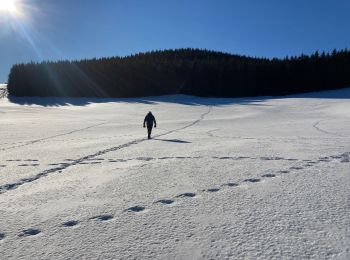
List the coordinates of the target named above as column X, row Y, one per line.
column 76, row 29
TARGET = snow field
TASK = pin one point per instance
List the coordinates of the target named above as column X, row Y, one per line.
column 222, row 178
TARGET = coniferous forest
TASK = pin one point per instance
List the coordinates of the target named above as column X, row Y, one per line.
column 182, row 71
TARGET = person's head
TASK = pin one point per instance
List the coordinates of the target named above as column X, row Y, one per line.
column 150, row 112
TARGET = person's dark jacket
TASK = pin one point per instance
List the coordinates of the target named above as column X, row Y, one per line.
column 149, row 120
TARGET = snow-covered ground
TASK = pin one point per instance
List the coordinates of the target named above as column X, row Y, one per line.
column 252, row 178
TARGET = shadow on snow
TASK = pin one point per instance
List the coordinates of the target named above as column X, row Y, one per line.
column 176, row 99
column 173, row 141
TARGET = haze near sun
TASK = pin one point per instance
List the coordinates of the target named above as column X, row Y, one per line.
column 9, row 6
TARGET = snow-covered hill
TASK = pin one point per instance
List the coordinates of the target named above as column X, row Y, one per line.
column 251, row 178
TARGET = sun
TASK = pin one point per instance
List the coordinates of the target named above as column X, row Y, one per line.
column 8, row 6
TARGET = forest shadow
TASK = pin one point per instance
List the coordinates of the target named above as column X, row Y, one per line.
column 67, row 101
column 176, row 99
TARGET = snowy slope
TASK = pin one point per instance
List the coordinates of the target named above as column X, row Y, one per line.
column 251, row 178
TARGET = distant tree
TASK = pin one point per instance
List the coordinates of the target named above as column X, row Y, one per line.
column 182, row 71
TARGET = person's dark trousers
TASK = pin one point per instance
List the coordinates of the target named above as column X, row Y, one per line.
column 149, row 129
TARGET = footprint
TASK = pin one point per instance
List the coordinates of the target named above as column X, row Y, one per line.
column 336, row 157
column 269, row 175
column 167, row 202
column 231, row 184
column 345, row 160
column 213, row 190
column 271, row 158
column 119, row 160
column 296, row 168
column 103, row 217
column 10, row 186
column 186, row 195
column 147, row 159
column 283, row 171
column 70, row 223
column 252, row 180
column 243, row 157
column 2, row 236
column 324, row 160
column 279, row 158
column 136, row 209
column 29, row 232
column 308, row 165
column 2, row 166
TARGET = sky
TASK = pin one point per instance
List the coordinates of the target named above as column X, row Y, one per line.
column 36, row 30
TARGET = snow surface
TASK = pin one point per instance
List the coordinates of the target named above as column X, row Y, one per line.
column 250, row 178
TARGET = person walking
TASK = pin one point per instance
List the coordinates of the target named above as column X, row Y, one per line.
column 149, row 121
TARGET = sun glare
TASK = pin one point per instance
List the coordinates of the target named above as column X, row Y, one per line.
column 8, row 6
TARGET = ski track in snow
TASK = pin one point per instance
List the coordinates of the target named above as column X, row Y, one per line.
column 51, row 137
column 90, row 159
column 11, row 186
column 318, row 128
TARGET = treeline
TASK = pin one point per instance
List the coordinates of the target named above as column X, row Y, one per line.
column 182, row 71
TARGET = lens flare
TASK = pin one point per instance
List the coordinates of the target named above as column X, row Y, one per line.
column 8, row 6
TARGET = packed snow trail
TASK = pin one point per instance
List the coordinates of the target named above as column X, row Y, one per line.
column 254, row 180
column 11, row 186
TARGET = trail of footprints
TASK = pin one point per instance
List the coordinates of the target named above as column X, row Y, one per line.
column 22, row 163
column 343, row 158
column 33, row 162
column 137, row 209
